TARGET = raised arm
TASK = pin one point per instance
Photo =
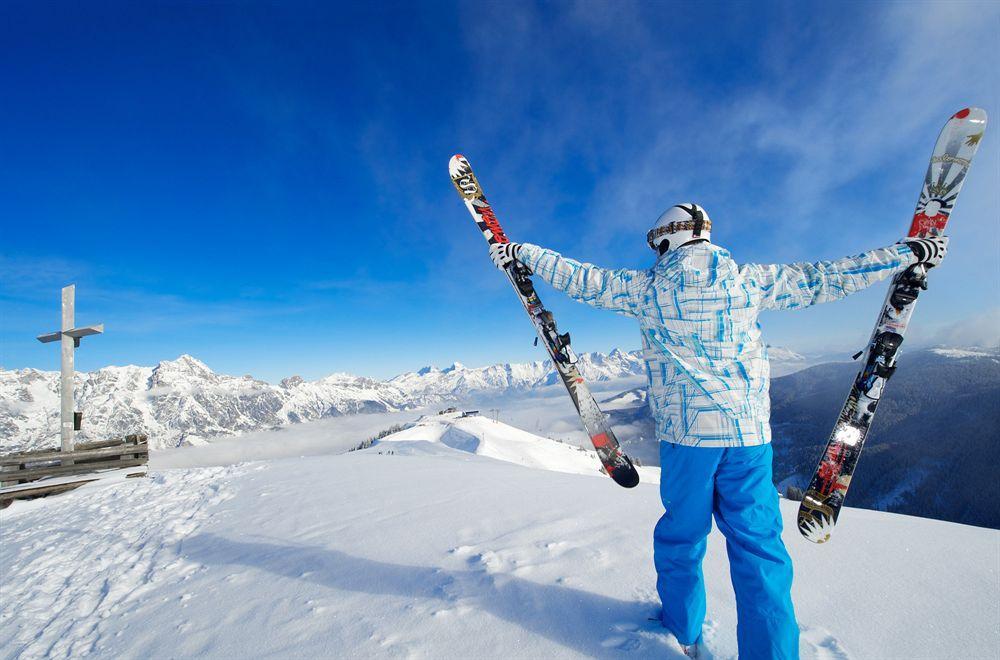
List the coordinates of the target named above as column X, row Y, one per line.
column 791, row 286
column 617, row 290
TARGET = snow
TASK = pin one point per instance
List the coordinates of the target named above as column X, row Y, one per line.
column 959, row 353
column 485, row 437
column 183, row 401
column 177, row 399
column 426, row 546
column 782, row 354
column 334, row 435
column 459, row 381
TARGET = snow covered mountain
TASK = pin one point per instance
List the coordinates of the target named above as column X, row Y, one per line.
column 785, row 361
column 458, row 380
column 178, row 400
column 427, row 545
column 183, row 401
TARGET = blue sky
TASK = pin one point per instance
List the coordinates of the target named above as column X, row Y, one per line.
column 264, row 186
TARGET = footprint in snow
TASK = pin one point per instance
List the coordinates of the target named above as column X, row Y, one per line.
column 626, row 627
column 649, row 638
column 488, row 560
column 622, row 643
column 652, row 629
column 820, row 644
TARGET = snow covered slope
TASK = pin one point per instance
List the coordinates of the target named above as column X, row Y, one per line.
column 485, row 437
column 414, row 548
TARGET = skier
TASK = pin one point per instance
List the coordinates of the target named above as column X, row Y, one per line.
column 709, row 375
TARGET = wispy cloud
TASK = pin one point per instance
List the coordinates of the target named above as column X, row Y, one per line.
column 824, row 116
column 30, row 288
column 981, row 329
column 29, row 277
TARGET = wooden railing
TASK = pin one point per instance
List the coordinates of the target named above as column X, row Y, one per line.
column 61, row 471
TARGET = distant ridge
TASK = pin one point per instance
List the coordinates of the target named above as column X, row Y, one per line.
column 183, row 400
column 932, row 451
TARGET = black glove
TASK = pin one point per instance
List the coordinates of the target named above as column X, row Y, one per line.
column 928, row 251
column 504, row 254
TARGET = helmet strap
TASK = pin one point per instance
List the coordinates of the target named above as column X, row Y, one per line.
column 696, row 215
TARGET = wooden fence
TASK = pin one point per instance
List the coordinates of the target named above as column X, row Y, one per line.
column 46, row 472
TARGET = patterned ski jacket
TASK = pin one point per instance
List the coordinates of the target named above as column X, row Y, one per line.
column 697, row 309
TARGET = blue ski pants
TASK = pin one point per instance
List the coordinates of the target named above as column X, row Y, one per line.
column 734, row 484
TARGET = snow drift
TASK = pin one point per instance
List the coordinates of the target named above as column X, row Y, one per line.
column 485, row 437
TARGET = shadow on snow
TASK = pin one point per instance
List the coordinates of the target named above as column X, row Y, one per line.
column 579, row 620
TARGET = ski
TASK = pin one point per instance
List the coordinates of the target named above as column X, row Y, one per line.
column 822, row 501
column 618, row 466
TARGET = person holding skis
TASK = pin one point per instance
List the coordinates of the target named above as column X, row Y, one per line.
column 709, row 376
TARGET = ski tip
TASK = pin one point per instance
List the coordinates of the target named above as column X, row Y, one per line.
column 971, row 114
column 458, row 166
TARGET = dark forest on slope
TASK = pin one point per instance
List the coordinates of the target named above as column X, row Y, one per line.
column 932, row 451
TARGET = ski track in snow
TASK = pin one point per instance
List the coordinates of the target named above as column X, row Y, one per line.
column 58, row 593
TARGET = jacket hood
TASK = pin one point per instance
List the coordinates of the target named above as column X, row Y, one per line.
column 700, row 264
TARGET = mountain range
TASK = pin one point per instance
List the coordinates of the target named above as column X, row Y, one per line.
column 182, row 400
column 931, row 450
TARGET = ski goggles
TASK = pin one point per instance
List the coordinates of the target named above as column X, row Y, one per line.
column 674, row 227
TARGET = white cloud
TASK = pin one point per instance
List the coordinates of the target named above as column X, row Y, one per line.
column 980, row 330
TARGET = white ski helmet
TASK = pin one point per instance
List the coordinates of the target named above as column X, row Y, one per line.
column 680, row 224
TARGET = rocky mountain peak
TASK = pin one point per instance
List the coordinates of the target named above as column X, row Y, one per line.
column 185, row 364
column 291, row 381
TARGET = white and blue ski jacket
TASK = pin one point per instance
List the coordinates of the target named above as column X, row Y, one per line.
column 697, row 310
